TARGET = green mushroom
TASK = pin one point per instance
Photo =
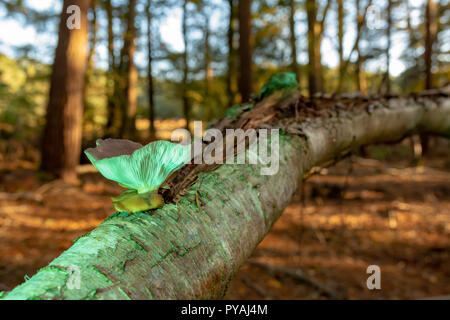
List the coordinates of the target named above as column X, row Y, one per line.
column 278, row 81
column 142, row 169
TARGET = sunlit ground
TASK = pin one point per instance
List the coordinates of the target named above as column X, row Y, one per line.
column 361, row 212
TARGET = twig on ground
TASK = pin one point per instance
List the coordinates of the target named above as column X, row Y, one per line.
column 299, row 275
column 254, row 286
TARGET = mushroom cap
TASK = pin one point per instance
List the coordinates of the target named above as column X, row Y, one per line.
column 133, row 166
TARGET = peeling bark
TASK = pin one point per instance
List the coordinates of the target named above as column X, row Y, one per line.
column 192, row 248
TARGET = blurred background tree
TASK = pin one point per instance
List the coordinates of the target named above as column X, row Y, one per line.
column 61, row 143
column 152, row 60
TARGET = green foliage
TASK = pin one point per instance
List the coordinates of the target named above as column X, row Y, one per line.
column 23, row 91
column 278, row 81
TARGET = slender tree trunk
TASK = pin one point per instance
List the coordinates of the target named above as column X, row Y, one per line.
column 294, row 63
column 428, row 45
column 360, row 25
column 151, row 89
column 413, row 39
column 319, row 30
column 61, row 145
column 90, row 60
column 185, row 98
column 360, row 77
column 191, row 249
column 112, row 104
column 388, row 47
column 428, row 55
column 318, row 60
column 231, row 72
column 340, row 24
column 245, row 50
column 315, row 34
column 130, row 75
column 311, row 11
column 208, row 68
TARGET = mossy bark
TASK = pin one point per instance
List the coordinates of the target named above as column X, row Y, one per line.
column 193, row 248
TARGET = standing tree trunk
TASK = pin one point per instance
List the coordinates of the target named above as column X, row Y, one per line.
column 90, row 60
column 129, row 75
column 151, row 89
column 360, row 77
column 311, row 11
column 294, row 62
column 185, row 98
column 428, row 45
column 315, row 34
column 112, row 104
column 388, row 47
column 340, row 24
column 208, row 68
column 61, row 145
column 428, row 56
column 360, row 23
column 231, row 72
column 245, row 50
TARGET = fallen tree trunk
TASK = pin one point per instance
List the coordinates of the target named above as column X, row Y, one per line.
column 192, row 248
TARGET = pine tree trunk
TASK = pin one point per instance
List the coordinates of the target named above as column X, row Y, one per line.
column 231, row 58
column 360, row 77
column 429, row 30
column 340, row 24
column 388, row 47
column 61, row 145
column 151, row 89
column 185, row 98
column 360, row 23
column 428, row 45
column 192, row 248
column 93, row 42
column 245, row 50
column 112, row 104
column 311, row 11
column 293, row 42
column 130, row 75
column 208, row 68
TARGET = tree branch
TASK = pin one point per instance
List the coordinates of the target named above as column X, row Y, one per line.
column 191, row 249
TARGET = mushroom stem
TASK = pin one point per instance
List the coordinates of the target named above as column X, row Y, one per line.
column 130, row 201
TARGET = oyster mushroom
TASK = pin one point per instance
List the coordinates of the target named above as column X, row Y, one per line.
column 142, row 169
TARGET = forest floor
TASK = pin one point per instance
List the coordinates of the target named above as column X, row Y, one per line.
column 379, row 210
